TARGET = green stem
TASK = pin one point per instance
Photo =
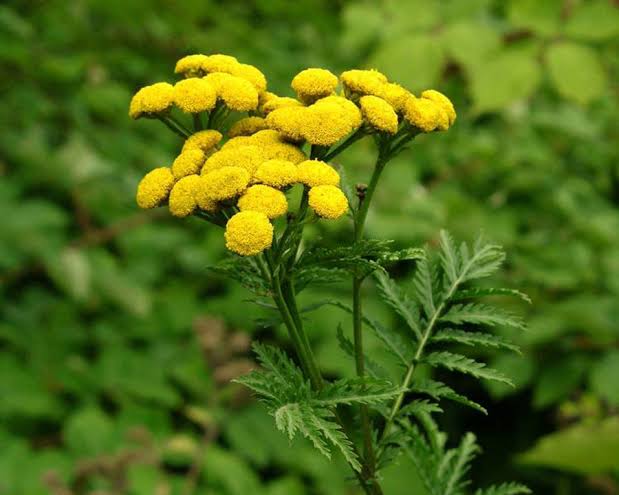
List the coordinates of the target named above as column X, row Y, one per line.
column 170, row 125
column 197, row 122
column 354, row 137
column 179, row 125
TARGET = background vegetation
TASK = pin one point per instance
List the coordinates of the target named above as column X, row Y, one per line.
column 116, row 343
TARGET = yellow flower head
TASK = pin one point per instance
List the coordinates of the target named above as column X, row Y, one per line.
column 182, row 200
column 194, row 95
column 289, row 121
column 247, row 126
column 154, row 188
column 267, row 136
column 191, row 65
column 265, row 199
column 325, row 124
column 425, row 114
column 379, row 114
column 248, row 233
column 237, row 142
column 224, row 183
column 443, row 101
column 271, row 144
column 237, row 93
column 203, row 201
column 219, row 63
column 363, row 82
column 314, row 173
column 312, row 84
column 283, row 151
column 395, row 95
column 276, row 102
column 328, row 201
column 203, row 140
column 188, row 162
column 276, row 173
column 248, row 157
column 251, row 74
column 348, row 107
column 152, row 100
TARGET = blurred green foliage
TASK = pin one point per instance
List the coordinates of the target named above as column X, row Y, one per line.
column 105, row 378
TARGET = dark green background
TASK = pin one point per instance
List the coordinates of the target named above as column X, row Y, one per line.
column 101, row 303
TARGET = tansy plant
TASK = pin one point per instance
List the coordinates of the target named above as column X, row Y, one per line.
column 244, row 150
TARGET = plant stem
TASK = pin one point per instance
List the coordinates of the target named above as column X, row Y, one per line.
column 172, row 126
column 360, row 133
column 197, row 122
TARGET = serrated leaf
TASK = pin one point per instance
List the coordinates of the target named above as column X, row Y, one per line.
column 244, row 271
column 484, row 292
column 473, row 338
column 373, row 369
column 399, row 301
column 480, row 314
column 461, row 464
column 462, row 364
column 439, row 390
column 355, row 391
column 420, row 406
column 505, row 489
column 424, row 288
column 575, row 71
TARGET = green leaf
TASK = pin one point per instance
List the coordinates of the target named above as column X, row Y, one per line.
column 415, row 61
column 520, row 369
column 576, row 71
column 504, row 79
column 422, row 406
column 356, row 391
column 542, row 17
column 470, row 43
column 473, row 339
column 504, row 489
column 462, row 364
column 461, row 464
column 423, row 285
column 483, row 292
column 89, row 432
column 587, row 448
column 596, row 20
column 439, row 390
column 557, row 380
column 481, row 314
column 603, row 377
column 373, row 369
column 399, row 301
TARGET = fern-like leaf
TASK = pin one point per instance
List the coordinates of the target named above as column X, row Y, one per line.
column 483, row 292
column 423, row 287
column 473, row 338
column 505, row 489
column 481, row 314
column 462, row 364
column 439, row 390
column 460, row 465
column 399, row 301
column 355, row 391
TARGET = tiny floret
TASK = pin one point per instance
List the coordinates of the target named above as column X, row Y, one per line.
column 425, row 114
column 154, row 188
column 219, row 63
column 203, row 140
column 314, row 173
column 442, row 100
column 182, row 201
column 276, row 173
column 188, row 162
column 276, row 102
column 152, row 100
column 248, row 233
column 363, row 82
column 289, row 121
column 248, row 157
column 237, row 93
column 247, row 126
column 395, row 95
column 349, row 109
column 194, row 95
column 325, row 124
column 251, row 74
column 191, row 65
column 328, row 201
column 225, row 183
column 312, row 84
column 379, row 114
column 265, row 199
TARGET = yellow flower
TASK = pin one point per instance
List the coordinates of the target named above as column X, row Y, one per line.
column 425, row 114
column 191, row 65
column 267, row 136
column 251, row 74
column 188, row 162
column 248, row 233
column 395, row 95
column 247, row 126
column 328, row 201
column 276, row 173
column 247, row 157
column 203, row 201
column 276, row 102
column 443, row 101
column 283, row 151
column 152, row 100
column 154, row 188
column 203, row 140
column 314, row 173
column 271, row 144
column 182, row 200
column 325, row 124
column 219, row 63
column 194, row 95
column 379, row 114
column 237, row 142
column 312, row 84
column 348, row 107
column 224, row 183
column 265, row 199
column 289, row 121
column 237, row 93
column 363, row 82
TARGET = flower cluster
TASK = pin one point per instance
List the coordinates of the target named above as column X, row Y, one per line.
column 238, row 172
